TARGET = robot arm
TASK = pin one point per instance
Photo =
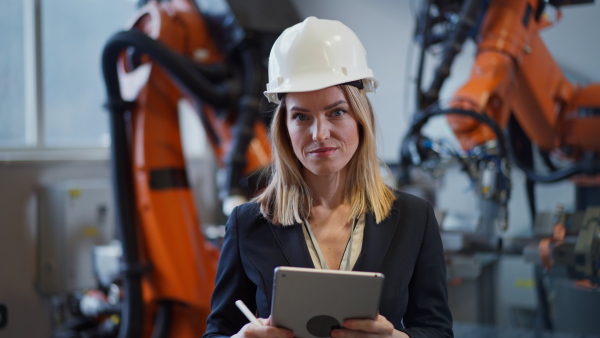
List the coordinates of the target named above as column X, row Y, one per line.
column 514, row 82
column 516, row 99
column 513, row 76
column 202, row 53
column 514, row 73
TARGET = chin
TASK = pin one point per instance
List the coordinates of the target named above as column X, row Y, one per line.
column 323, row 171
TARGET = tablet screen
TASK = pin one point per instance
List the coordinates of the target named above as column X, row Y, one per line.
column 313, row 302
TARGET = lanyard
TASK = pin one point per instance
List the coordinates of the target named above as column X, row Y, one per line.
column 347, row 252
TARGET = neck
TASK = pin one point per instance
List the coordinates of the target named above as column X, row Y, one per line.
column 327, row 190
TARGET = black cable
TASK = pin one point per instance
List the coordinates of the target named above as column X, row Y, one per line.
column 190, row 78
column 132, row 309
column 422, row 118
column 547, row 161
column 185, row 73
column 554, row 176
column 248, row 112
column 522, row 148
column 425, row 29
column 467, row 20
column 542, row 297
column 162, row 322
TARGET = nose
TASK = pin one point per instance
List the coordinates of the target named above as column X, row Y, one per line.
column 320, row 130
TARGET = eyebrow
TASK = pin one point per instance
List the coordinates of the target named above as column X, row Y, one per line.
column 336, row 103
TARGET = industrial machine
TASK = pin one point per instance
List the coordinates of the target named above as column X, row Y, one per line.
column 516, row 106
column 212, row 54
column 517, row 101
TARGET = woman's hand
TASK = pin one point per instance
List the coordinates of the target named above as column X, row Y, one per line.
column 266, row 330
column 380, row 327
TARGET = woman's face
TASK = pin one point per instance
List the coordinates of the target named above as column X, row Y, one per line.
column 323, row 129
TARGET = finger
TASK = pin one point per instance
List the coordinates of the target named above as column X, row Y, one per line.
column 267, row 331
column 278, row 332
column 381, row 318
column 347, row 333
column 379, row 326
column 366, row 325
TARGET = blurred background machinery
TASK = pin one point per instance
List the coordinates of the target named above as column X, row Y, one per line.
column 517, row 114
column 517, row 108
column 74, row 218
column 211, row 55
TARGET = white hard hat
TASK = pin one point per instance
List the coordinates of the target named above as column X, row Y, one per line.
column 317, row 54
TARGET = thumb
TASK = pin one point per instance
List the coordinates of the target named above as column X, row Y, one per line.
column 265, row 322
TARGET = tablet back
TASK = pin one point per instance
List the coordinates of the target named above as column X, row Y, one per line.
column 312, row 302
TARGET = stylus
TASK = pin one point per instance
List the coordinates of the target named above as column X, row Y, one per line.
column 247, row 312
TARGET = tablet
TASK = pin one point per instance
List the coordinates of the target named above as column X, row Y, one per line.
column 313, row 302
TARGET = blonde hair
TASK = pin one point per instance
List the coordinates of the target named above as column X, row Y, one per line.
column 287, row 199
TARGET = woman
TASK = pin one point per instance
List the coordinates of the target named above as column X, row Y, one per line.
column 326, row 205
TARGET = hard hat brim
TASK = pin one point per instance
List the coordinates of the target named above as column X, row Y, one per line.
column 308, row 83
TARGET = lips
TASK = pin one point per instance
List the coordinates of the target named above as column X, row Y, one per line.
column 322, row 152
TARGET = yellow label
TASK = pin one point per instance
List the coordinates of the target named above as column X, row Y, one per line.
column 524, row 283
column 115, row 319
column 73, row 193
column 90, row 231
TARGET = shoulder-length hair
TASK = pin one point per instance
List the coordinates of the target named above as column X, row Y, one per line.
column 288, row 200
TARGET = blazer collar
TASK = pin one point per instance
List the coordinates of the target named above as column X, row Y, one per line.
column 292, row 243
column 376, row 241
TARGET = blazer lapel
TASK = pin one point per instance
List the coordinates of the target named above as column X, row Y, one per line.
column 376, row 241
column 292, row 243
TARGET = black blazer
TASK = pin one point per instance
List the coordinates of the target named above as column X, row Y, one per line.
column 406, row 247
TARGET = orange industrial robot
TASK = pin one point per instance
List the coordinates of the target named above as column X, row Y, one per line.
column 517, row 101
column 515, row 86
column 212, row 54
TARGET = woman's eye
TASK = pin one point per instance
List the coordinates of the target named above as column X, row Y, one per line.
column 299, row 117
column 338, row 112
